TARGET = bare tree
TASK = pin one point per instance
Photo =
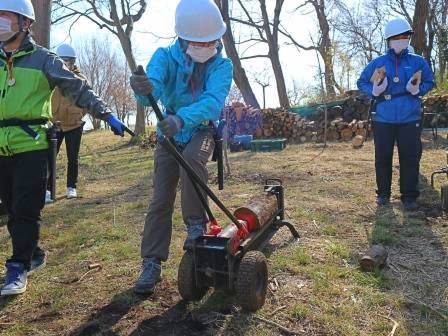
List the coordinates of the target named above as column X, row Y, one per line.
column 101, row 67
column 267, row 31
column 263, row 79
column 41, row 28
column 234, row 95
column 239, row 74
column 360, row 29
column 324, row 45
column 122, row 97
column 117, row 17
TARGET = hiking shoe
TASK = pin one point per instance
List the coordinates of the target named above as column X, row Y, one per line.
column 410, row 205
column 48, row 198
column 382, row 200
column 71, row 193
column 15, row 279
column 38, row 261
column 193, row 232
column 149, row 276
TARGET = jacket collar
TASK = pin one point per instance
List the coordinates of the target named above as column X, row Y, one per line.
column 28, row 45
column 404, row 53
column 177, row 50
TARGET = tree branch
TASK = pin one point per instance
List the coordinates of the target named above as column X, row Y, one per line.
column 254, row 56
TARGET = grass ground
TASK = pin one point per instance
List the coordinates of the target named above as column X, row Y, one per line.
column 316, row 287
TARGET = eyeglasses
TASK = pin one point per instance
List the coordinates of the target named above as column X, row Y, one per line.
column 401, row 37
column 211, row 44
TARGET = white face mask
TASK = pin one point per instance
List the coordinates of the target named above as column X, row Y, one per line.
column 399, row 45
column 6, row 31
column 201, row 54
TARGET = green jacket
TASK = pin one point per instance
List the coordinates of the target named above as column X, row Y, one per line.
column 36, row 72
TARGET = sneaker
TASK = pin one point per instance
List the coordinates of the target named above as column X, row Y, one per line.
column 48, row 198
column 382, row 200
column 193, row 232
column 410, row 205
column 38, row 261
column 149, row 276
column 15, row 279
column 71, row 193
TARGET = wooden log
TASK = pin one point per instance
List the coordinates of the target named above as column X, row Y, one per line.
column 375, row 257
column 358, row 141
column 259, row 211
column 346, row 134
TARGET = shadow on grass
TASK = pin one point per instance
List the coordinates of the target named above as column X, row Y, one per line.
column 5, row 301
column 102, row 321
column 216, row 313
column 417, row 260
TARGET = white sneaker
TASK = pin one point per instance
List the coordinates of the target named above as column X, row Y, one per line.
column 48, row 198
column 71, row 193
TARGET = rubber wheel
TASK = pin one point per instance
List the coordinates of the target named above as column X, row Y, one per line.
column 186, row 282
column 444, row 197
column 252, row 281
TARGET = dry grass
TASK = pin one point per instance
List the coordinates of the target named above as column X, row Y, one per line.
column 317, row 288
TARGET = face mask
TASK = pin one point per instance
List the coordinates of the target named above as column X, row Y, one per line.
column 201, row 54
column 399, row 45
column 6, row 32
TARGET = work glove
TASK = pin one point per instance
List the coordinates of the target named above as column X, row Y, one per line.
column 116, row 125
column 413, row 88
column 171, row 125
column 378, row 88
column 140, row 83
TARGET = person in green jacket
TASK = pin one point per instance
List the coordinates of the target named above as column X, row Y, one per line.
column 28, row 75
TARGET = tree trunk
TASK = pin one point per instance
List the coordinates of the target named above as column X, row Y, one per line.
column 419, row 25
column 125, row 41
column 325, row 46
column 41, row 28
column 278, row 74
column 329, row 73
column 239, row 74
column 274, row 56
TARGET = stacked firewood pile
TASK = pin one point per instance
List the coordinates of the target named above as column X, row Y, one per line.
column 149, row 140
column 436, row 111
column 343, row 122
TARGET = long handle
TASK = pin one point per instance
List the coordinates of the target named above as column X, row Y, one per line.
column 171, row 148
column 132, row 134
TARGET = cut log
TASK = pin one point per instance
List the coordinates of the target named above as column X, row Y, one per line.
column 358, row 141
column 346, row 134
column 374, row 258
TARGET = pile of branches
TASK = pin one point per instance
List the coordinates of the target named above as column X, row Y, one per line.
column 149, row 141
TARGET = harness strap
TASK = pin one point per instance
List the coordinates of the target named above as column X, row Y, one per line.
column 24, row 125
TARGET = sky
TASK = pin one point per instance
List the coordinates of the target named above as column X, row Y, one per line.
column 159, row 20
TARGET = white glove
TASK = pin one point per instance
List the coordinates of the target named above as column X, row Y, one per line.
column 413, row 89
column 379, row 89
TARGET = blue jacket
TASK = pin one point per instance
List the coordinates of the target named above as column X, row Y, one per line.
column 401, row 109
column 170, row 71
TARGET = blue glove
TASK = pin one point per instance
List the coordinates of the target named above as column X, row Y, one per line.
column 116, row 125
column 171, row 125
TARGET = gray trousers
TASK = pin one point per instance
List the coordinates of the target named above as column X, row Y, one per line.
column 158, row 223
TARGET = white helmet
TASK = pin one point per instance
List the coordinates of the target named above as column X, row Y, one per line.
column 66, row 50
column 22, row 7
column 199, row 21
column 396, row 27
